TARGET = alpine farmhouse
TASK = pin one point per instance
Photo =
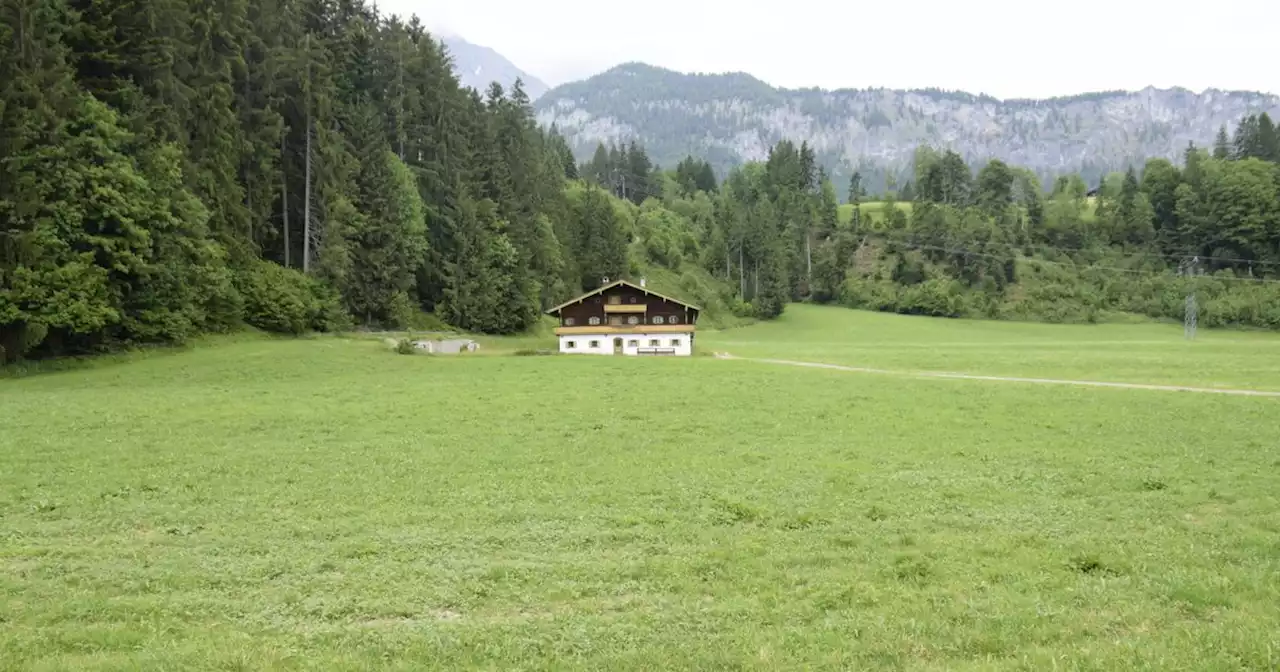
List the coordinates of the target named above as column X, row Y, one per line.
column 622, row 318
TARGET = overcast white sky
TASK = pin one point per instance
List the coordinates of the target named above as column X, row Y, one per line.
column 1007, row 48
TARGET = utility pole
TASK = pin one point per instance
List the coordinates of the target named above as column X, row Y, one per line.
column 1191, row 311
column 619, row 183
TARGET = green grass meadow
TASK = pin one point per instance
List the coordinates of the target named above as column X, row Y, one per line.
column 1143, row 352
column 327, row 504
column 875, row 210
column 872, row 209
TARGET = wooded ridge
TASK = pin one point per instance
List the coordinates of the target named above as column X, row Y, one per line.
column 733, row 118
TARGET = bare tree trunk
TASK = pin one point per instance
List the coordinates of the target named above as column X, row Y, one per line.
column 244, row 160
column 284, row 193
column 742, row 275
column 306, row 190
column 306, row 205
column 808, row 259
column 756, row 290
column 400, row 101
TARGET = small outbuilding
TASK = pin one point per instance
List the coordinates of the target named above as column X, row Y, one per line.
column 450, row 346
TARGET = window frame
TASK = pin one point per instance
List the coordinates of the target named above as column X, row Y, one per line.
column 656, row 319
column 594, row 345
column 569, row 321
column 570, row 345
column 655, row 343
column 593, row 321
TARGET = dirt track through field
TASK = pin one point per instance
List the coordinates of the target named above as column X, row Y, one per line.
column 1007, row 379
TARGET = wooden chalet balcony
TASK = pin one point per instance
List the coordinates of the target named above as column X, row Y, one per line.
column 627, row 329
column 625, row 308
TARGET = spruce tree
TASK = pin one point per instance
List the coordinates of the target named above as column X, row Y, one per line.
column 855, row 199
column 1268, row 140
column 705, row 180
column 1222, row 145
column 215, row 142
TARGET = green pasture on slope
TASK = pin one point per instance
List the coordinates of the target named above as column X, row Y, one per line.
column 1131, row 353
column 872, row 209
column 326, row 504
column 875, row 210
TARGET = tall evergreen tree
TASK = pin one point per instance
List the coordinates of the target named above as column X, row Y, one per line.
column 1222, row 144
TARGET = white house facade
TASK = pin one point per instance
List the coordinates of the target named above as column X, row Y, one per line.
column 622, row 318
column 673, row 343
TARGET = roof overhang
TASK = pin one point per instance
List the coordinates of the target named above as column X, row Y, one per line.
column 616, row 283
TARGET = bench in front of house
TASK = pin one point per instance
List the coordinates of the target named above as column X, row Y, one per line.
column 656, row 351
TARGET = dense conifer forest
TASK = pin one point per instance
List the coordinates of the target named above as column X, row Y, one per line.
column 175, row 167
column 172, row 167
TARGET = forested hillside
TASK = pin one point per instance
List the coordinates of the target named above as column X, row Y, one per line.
column 998, row 244
column 733, row 118
column 171, row 167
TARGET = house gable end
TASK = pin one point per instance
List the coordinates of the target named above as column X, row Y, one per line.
column 626, row 290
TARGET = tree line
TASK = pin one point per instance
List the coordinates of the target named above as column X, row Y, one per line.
column 996, row 243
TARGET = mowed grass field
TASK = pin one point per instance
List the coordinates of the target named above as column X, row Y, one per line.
column 326, row 504
column 1142, row 353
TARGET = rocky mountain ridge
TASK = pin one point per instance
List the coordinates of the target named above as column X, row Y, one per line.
column 732, row 118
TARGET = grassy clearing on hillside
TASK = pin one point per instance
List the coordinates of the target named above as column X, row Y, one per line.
column 875, row 210
column 872, row 209
column 327, row 504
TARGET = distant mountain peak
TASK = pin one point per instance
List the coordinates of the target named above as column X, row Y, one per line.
column 478, row 66
column 730, row 118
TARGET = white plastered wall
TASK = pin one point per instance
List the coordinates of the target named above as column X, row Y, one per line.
column 681, row 342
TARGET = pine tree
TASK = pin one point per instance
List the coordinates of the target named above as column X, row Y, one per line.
column 705, row 180
column 855, row 199
column 598, row 240
column 215, row 141
column 828, row 210
column 1268, row 140
column 808, row 178
column 560, row 149
column 391, row 243
column 771, row 293
column 638, row 185
column 599, row 169
column 1222, row 145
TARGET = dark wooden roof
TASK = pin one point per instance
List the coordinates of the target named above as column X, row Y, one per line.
column 617, row 283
